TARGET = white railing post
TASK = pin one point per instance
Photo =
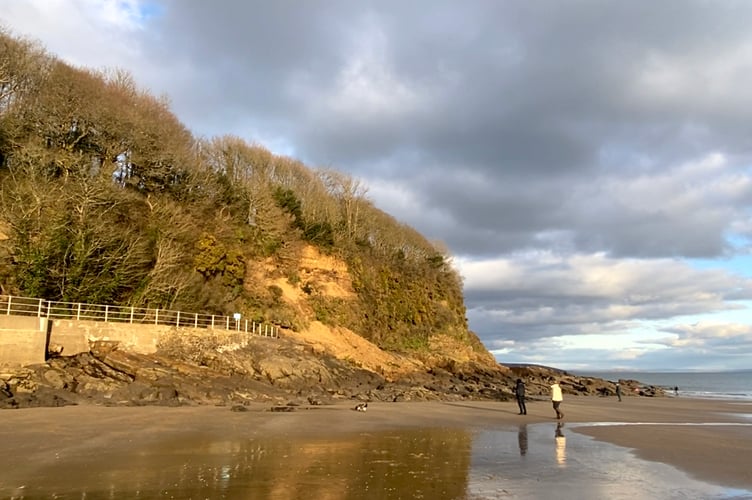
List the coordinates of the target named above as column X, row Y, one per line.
column 49, row 308
column 156, row 316
column 212, row 322
column 227, row 324
column 131, row 314
column 106, row 313
column 195, row 322
column 78, row 311
column 39, row 311
column 10, row 297
column 177, row 322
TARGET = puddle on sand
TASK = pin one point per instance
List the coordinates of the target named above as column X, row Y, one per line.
column 547, row 461
column 538, row 461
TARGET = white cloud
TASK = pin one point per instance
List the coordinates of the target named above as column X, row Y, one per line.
column 91, row 33
column 711, row 334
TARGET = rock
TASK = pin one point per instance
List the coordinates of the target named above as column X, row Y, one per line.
column 101, row 348
column 96, row 387
column 54, row 350
column 5, row 391
column 56, row 379
column 279, row 372
column 282, row 408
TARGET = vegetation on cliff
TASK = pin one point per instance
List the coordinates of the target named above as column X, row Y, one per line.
column 105, row 197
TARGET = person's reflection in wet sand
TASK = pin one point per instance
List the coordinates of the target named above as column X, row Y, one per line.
column 522, row 439
column 561, row 445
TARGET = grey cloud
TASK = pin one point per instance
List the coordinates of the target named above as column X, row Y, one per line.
column 556, row 98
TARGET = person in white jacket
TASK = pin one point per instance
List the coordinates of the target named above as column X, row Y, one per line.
column 556, row 399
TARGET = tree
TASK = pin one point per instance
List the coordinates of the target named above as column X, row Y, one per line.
column 23, row 69
column 350, row 194
column 68, row 240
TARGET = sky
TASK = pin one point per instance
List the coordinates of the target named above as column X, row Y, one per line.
column 588, row 164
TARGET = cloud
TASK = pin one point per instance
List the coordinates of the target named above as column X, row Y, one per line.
column 91, row 33
column 712, row 336
column 541, row 295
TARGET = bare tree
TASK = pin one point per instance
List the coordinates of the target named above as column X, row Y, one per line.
column 350, row 193
column 23, row 68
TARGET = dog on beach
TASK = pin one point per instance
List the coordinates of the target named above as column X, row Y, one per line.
column 361, row 407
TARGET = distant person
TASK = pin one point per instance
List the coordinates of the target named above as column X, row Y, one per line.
column 556, row 399
column 676, row 391
column 519, row 392
column 618, row 391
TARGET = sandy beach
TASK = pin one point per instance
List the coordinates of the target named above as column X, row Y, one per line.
column 77, row 448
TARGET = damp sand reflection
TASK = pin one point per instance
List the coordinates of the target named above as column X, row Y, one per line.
column 537, row 461
column 431, row 463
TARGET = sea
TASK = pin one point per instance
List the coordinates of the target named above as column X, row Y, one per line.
column 733, row 385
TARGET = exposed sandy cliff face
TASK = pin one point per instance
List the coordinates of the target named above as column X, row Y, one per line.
column 329, row 276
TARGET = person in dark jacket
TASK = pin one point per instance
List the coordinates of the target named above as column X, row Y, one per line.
column 519, row 392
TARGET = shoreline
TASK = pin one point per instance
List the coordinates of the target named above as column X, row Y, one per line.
column 708, row 439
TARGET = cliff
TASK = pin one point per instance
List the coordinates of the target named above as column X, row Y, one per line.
column 317, row 365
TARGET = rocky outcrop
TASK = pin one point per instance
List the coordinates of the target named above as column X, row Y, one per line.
column 538, row 380
column 283, row 371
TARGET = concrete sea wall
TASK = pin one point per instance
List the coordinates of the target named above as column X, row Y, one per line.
column 25, row 340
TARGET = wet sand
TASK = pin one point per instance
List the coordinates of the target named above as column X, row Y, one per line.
column 706, row 439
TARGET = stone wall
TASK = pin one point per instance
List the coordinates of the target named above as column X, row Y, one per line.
column 23, row 339
column 74, row 336
column 9, row 323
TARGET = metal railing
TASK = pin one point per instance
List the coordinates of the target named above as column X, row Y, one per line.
column 25, row 306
